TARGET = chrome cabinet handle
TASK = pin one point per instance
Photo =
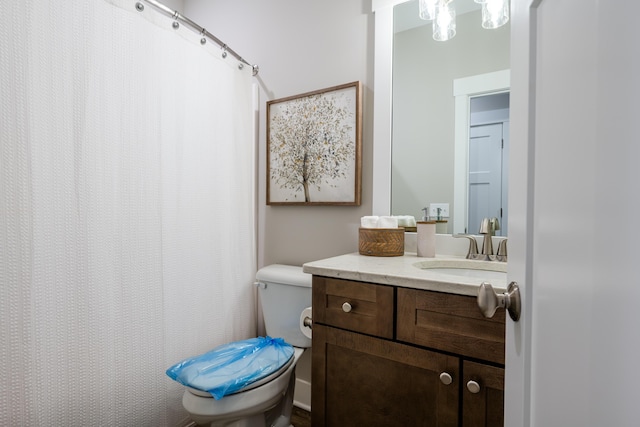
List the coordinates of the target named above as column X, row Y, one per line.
column 473, row 387
column 489, row 301
column 346, row 307
column 446, row 378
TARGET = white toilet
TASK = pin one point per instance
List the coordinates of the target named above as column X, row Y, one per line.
column 284, row 291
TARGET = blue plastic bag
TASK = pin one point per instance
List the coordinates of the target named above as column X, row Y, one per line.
column 231, row 367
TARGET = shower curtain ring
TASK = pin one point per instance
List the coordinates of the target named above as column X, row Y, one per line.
column 203, row 33
column 224, row 51
column 175, row 24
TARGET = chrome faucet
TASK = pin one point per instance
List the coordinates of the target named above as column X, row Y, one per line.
column 488, row 227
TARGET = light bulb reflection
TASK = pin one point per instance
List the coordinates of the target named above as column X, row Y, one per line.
column 427, row 9
column 444, row 24
column 495, row 13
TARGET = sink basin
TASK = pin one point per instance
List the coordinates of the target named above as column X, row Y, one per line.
column 482, row 270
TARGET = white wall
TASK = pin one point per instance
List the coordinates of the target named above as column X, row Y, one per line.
column 300, row 46
column 174, row 4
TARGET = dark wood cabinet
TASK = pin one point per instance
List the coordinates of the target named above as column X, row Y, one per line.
column 370, row 311
column 450, row 323
column 403, row 357
column 366, row 381
column 483, row 405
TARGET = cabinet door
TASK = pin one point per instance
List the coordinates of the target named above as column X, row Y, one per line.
column 359, row 380
column 482, row 395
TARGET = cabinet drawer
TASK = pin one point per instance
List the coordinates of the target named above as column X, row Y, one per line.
column 450, row 323
column 371, row 306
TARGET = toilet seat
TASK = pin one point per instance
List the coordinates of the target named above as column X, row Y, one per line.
column 205, row 410
column 251, row 386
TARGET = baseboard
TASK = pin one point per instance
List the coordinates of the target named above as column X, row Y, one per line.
column 302, row 395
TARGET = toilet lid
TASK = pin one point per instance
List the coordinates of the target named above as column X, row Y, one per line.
column 234, row 367
column 251, row 386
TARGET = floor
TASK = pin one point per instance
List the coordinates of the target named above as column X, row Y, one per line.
column 300, row 418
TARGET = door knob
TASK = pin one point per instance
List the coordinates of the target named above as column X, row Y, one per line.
column 489, row 301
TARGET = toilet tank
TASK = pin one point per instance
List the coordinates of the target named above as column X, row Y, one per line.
column 284, row 291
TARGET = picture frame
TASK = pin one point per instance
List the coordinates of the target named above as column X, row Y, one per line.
column 314, row 147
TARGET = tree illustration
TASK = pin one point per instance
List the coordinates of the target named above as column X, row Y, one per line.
column 310, row 143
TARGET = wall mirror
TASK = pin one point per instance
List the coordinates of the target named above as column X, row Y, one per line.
column 437, row 93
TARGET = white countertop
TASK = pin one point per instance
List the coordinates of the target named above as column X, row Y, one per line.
column 402, row 271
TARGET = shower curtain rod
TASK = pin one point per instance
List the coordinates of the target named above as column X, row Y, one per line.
column 181, row 18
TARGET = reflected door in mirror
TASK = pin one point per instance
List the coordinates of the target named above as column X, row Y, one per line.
column 487, row 179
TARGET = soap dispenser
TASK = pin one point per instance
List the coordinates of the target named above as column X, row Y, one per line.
column 425, row 214
column 426, row 239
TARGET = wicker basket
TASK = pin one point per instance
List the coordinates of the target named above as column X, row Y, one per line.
column 381, row 241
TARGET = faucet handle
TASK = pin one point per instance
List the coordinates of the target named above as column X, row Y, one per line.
column 501, row 255
column 502, row 248
column 473, row 245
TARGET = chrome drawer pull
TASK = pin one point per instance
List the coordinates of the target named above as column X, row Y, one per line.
column 473, row 387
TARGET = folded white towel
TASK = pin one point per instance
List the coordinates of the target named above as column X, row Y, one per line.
column 369, row 222
column 388, row 222
column 406, row 221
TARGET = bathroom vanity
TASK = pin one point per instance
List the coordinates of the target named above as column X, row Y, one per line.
column 396, row 344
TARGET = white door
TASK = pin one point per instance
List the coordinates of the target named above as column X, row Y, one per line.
column 485, row 175
column 574, row 200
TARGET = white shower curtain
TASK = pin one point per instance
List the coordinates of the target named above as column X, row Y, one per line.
column 127, row 227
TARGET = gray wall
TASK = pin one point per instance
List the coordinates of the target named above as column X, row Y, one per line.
column 300, row 46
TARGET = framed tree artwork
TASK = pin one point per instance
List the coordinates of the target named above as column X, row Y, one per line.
column 314, row 147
